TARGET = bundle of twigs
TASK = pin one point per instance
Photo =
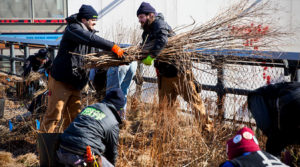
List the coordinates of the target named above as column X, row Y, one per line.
column 225, row 31
column 9, row 78
column 33, row 76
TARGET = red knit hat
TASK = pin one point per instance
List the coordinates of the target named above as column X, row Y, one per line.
column 243, row 141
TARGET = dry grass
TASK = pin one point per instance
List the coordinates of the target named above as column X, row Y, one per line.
column 169, row 137
column 149, row 137
column 27, row 160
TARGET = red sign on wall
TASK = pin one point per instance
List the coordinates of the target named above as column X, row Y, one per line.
column 34, row 21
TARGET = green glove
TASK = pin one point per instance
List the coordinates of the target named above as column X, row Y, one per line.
column 148, row 60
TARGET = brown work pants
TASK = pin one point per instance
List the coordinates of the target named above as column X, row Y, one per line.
column 63, row 104
column 184, row 86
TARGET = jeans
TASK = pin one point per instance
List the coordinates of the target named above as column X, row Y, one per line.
column 92, row 74
column 120, row 77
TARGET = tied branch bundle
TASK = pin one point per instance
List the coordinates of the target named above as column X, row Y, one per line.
column 5, row 78
column 243, row 26
column 9, row 80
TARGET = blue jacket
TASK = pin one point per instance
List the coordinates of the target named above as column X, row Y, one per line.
column 77, row 38
column 96, row 125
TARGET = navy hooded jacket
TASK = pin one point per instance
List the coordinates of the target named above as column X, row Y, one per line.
column 96, row 125
column 77, row 38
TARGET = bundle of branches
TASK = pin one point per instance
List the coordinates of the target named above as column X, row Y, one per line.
column 243, row 26
column 14, row 78
column 5, row 78
column 33, row 76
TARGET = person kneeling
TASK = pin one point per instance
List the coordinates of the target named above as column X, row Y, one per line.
column 96, row 127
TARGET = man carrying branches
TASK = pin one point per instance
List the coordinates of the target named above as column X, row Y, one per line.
column 171, row 81
column 68, row 77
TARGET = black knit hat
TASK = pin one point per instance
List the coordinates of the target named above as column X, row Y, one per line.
column 87, row 12
column 145, row 8
column 116, row 97
column 42, row 53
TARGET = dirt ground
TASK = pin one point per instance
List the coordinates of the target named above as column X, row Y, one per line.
column 18, row 146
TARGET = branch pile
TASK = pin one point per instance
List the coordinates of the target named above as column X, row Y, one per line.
column 243, row 26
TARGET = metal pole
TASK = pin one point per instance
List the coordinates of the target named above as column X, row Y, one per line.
column 298, row 75
column 26, row 52
column 12, row 59
column 55, row 53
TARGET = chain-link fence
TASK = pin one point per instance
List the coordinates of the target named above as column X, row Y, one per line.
column 225, row 81
column 236, row 81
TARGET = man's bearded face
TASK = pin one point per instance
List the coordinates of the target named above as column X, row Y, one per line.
column 144, row 20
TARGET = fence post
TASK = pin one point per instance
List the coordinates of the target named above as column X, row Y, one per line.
column 220, row 87
column 2, row 107
column 12, row 59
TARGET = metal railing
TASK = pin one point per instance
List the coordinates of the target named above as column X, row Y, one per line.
column 25, row 44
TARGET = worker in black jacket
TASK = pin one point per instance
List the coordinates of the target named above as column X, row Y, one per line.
column 38, row 62
column 172, row 80
column 96, row 126
column 275, row 109
column 67, row 76
column 41, row 63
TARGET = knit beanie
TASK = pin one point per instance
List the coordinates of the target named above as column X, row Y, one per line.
column 244, row 141
column 42, row 53
column 145, row 8
column 87, row 12
column 116, row 97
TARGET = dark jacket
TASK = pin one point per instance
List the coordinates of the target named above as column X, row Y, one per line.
column 77, row 38
column 97, row 126
column 275, row 109
column 279, row 102
column 155, row 38
column 32, row 64
column 255, row 159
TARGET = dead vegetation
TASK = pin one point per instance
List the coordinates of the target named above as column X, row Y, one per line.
column 7, row 160
column 149, row 137
column 170, row 137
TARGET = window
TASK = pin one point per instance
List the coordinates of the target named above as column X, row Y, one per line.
column 31, row 10
column 49, row 9
column 15, row 9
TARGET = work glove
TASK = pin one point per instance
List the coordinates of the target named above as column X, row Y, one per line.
column 118, row 51
column 148, row 60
